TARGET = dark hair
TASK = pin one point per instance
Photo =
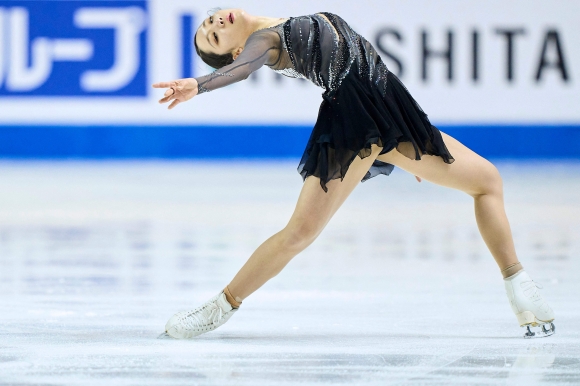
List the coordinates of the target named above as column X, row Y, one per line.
column 214, row 60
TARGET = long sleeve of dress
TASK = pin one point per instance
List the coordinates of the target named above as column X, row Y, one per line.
column 262, row 47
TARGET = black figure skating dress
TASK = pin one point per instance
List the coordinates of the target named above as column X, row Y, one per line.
column 363, row 103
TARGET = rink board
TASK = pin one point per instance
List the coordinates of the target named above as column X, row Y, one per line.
column 206, row 142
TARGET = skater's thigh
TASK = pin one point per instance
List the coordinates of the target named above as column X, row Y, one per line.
column 316, row 207
column 469, row 173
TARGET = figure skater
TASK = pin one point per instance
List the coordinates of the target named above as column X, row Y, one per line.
column 368, row 123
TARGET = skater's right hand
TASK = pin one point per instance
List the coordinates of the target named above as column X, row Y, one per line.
column 180, row 90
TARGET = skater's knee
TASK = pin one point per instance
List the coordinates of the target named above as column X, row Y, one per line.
column 489, row 181
column 299, row 236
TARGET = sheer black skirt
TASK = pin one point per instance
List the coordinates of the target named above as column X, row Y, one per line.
column 361, row 114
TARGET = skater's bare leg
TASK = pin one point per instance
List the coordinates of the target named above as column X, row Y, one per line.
column 477, row 177
column 313, row 211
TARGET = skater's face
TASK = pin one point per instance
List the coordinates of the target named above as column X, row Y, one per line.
column 224, row 32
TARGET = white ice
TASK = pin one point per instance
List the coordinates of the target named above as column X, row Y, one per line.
column 399, row 289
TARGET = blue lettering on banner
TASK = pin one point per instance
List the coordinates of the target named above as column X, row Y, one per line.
column 187, row 36
column 73, row 48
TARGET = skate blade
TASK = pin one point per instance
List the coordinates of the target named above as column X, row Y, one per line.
column 542, row 333
column 165, row 336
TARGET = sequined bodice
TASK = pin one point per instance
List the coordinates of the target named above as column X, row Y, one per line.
column 289, row 70
column 320, row 47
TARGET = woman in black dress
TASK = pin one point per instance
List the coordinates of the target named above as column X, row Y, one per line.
column 368, row 123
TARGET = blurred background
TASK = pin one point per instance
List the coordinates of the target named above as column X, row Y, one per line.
column 75, row 77
column 115, row 212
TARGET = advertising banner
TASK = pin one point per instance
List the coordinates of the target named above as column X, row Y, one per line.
column 467, row 62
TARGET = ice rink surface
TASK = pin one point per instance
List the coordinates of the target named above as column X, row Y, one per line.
column 398, row 290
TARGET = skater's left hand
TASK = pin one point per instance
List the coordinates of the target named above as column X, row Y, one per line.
column 180, row 90
column 418, row 179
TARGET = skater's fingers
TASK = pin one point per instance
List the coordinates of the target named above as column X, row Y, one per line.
column 167, row 98
column 163, row 84
column 175, row 103
column 418, row 179
column 164, row 99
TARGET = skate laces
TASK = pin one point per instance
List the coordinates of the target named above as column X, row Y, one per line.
column 208, row 314
column 530, row 288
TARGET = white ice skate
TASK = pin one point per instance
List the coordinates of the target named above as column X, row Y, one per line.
column 529, row 306
column 208, row 317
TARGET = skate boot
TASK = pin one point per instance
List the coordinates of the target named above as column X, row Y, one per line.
column 529, row 306
column 208, row 317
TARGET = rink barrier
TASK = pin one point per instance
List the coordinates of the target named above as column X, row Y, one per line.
column 226, row 142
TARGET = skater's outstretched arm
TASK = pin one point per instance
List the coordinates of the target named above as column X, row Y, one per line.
column 262, row 47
